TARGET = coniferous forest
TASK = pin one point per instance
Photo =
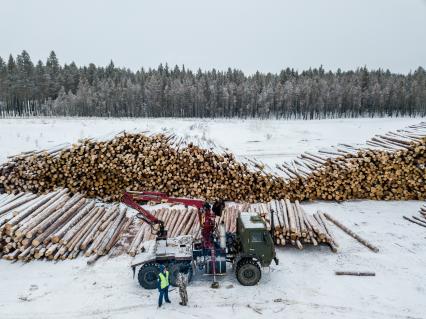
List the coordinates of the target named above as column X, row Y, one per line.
column 48, row 88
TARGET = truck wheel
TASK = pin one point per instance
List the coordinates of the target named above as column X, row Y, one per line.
column 248, row 272
column 148, row 275
column 174, row 271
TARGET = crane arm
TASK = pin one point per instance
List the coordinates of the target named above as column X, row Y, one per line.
column 159, row 197
column 131, row 199
column 144, row 214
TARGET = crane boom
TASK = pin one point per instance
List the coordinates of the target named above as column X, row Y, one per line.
column 159, row 197
column 131, row 199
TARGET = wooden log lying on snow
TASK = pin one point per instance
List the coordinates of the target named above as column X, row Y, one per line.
column 351, row 233
column 355, row 273
column 414, row 221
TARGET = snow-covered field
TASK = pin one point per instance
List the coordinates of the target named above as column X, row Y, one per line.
column 303, row 285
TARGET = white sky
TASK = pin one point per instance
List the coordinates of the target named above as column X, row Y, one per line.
column 246, row 34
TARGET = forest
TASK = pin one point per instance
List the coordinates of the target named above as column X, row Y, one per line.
column 51, row 89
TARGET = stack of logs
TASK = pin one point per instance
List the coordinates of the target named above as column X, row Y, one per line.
column 288, row 225
column 105, row 169
column 390, row 167
column 292, row 225
column 420, row 219
column 57, row 226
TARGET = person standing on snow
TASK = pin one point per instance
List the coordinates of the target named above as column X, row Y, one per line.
column 182, row 282
column 163, row 285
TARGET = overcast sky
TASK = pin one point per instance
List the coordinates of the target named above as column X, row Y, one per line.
column 250, row 35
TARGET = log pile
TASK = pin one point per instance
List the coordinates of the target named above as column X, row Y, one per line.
column 292, row 225
column 389, row 167
column 314, row 230
column 57, row 226
column 158, row 162
column 420, row 219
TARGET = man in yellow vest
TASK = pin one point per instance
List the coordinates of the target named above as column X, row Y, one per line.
column 163, row 285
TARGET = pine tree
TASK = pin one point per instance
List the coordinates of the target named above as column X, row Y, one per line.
column 52, row 75
column 51, row 89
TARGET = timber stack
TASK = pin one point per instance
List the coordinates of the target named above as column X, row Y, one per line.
column 292, row 225
column 57, row 226
column 391, row 166
column 138, row 162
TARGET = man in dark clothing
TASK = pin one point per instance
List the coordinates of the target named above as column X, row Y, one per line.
column 182, row 282
column 163, row 285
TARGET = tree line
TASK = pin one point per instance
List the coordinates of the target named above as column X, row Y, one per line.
column 51, row 89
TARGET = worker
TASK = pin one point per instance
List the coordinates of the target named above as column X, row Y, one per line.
column 182, row 282
column 163, row 285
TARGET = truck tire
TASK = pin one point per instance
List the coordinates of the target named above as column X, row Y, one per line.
column 148, row 275
column 248, row 272
column 174, row 271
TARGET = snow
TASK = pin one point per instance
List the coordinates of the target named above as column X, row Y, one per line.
column 252, row 220
column 303, row 285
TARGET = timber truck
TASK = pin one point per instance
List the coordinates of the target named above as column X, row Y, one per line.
column 247, row 250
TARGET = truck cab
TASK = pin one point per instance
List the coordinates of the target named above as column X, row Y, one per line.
column 255, row 239
column 255, row 248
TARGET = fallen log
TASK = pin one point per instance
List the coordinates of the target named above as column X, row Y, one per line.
column 414, row 221
column 351, row 233
column 355, row 273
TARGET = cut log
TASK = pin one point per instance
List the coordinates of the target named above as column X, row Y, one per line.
column 414, row 221
column 355, row 273
column 101, row 250
column 48, row 233
column 82, row 211
column 351, row 233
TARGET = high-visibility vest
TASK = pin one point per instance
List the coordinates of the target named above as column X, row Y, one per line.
column 164, row 280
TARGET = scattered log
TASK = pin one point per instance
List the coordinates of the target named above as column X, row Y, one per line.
column 355, row 273
column 351, row 233
column 414, row 221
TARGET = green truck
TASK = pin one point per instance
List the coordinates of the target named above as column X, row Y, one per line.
column 247, row 250
column 252, row 247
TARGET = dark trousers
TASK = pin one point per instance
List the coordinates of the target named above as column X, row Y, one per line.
column 163, row 293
